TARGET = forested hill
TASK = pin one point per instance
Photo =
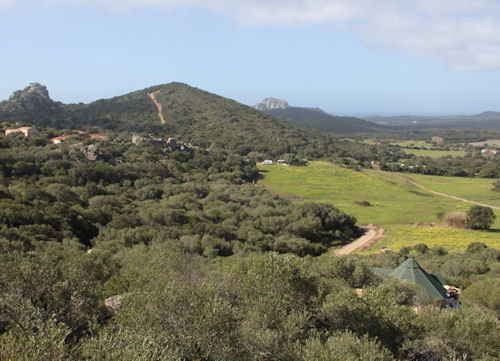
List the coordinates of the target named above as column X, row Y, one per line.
column 196, row 116
column 317, row 119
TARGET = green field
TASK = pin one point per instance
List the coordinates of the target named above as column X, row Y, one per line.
column 426, row 149
column 476, row 189
column 434, row 153
column 490, row 142
column 395, row 204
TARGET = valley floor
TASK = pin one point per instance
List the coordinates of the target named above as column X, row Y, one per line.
column 391, row 201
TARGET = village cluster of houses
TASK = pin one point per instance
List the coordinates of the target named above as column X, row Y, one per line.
column 32, row 132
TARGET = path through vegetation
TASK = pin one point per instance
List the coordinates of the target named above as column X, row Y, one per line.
column 371, row 236
column 448, row 195
column 158, row 105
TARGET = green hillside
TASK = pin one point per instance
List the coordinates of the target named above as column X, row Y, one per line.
column 204, row 119
column 317, row 119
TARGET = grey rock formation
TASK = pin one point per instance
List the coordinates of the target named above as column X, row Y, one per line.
column 35, row 96
column 157, row 142
column 170, row 145
column 91, row 151
column 113, row 305
column 172, row 142
column 272, row 103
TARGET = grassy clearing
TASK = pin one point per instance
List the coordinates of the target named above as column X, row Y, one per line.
column 395, row 204
column 434, row 153
column 413, row 143
column 424, row 151
column 491, row 142
column 448, row 238
column 476, row 189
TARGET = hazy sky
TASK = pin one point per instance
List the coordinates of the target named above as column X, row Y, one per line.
column 346, row 56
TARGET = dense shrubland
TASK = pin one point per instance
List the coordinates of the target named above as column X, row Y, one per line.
column 184, row 237
column 258, row 306
column 201, row 202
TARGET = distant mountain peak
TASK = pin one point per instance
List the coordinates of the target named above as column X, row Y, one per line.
column 272, row 103
column 32, row 97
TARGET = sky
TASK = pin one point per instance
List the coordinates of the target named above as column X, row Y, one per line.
column 349, row 57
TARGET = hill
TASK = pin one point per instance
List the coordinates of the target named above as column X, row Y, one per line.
column 204, row 119
column 316, row 118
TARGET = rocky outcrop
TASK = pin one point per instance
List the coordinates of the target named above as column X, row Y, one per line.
column 33, row 97
column 170, row 145
column 91, row 151
column 272, row 103
column 113, row 305
column 157, row 142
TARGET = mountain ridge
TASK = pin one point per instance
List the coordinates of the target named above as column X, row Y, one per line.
column 316, row 118
column 194, row 115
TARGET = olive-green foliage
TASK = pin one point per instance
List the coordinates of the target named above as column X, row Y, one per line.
column 156, row 222
column 36, row 340
column 454, row 335
column 349, row 269
column 476, row 247
column 484, row 293
column 199, row 201
column 344, row 346
column 254, row 307
column 481, row 217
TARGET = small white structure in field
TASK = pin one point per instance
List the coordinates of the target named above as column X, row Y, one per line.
column 267, row 162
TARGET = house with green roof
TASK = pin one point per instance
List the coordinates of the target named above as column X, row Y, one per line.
column 411, row 272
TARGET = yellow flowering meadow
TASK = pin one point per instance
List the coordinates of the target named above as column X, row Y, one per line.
column 394, row 203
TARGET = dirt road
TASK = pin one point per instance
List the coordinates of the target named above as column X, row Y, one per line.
column 448, row 196
column 158, row 105
column 372, row 235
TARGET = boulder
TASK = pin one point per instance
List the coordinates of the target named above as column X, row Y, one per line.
column 113, row 305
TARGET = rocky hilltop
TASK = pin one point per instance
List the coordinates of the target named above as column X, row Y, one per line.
column 35, row 96
column 272, row 103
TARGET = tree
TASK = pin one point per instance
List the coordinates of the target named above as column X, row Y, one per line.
column 481, row 217
column 496, row 185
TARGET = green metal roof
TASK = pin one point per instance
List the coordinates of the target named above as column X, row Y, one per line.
column 411, row 271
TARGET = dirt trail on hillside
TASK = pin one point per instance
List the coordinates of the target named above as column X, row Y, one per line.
column 372, row 235
column 158, row 105
column 448, row 195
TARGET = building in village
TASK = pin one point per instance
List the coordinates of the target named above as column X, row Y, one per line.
column 489, row 152
column 27, row 131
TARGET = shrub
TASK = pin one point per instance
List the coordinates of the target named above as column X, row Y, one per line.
column 481, row 217
column 420, row 248
column 405, row 251
column 476, row 247
column 438, row 251
column 484, row 293
column 457, row 219
column 344, row 346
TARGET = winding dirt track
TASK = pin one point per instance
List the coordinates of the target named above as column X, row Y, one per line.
column 448, row 195
column 367, row 240
column 373, row 235
column 158, row 105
